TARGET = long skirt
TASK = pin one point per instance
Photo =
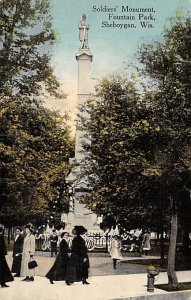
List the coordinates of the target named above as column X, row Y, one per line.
column 59, row 269
column 25, row 271
column 77, row 269
column 16, row 266
column 5, row 273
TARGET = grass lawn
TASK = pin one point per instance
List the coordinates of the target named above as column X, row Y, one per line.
column 181, row 265
column 147, row 262
column 182, row 286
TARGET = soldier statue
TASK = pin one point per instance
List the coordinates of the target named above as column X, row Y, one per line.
column 83, row 32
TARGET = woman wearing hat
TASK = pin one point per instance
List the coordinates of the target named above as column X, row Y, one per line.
column 79, row 261
column 27, row 255
column 59, row 269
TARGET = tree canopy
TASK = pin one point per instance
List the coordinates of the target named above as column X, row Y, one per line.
column 26, row 37
column 140, row 151
column 140, row 139
column 35, row 143
column 124, row 152
column 35, row 149
column 168, row 65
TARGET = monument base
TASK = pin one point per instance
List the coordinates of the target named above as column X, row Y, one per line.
column 81, row 216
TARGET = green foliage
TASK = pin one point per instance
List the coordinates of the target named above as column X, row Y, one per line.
column 123, row 166
column 35, row 147
column 26, row 37
column 139, row 156
column 35, row 143
column 169, row 63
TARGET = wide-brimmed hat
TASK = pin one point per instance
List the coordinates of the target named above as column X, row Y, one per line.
column 30, row 227
column 79, row 229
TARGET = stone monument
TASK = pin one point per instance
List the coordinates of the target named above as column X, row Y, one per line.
column 78, row 213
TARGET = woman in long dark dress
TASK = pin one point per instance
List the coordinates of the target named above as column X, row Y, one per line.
column 79, row 262
column 58, row 271
column 17, row 252
column 5, row 273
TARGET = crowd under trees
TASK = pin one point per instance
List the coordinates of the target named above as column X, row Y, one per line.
column 139, row 159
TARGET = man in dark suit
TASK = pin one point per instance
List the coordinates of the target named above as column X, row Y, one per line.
column 17, row 252
column 53, row 242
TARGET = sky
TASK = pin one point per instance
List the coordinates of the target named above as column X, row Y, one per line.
column 113, row 39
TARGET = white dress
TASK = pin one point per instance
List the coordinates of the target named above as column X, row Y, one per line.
column 115, row 249
column 28, row 249
column 146, row 242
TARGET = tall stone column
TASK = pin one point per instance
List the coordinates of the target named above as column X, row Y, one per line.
column 79, row 214
column 84, row 58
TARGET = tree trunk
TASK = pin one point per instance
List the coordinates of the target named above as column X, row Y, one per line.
column 172, row 279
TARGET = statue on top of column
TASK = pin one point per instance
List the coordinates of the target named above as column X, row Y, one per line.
column 83, row 32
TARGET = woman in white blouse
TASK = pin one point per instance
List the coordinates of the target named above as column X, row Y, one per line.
column 115, row 250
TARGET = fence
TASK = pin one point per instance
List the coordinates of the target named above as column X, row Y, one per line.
column 94, row 242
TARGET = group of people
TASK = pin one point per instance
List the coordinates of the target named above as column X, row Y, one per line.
column 24, row 249
column 71, row 264
column 115, row 247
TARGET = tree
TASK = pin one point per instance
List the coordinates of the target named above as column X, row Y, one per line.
column 34, row 143
column 34, row 152
column 139, row 157
column 121, row 160
column 168, row 64
column 26, row 36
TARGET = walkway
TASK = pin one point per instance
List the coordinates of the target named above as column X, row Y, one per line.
column 117, row 284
